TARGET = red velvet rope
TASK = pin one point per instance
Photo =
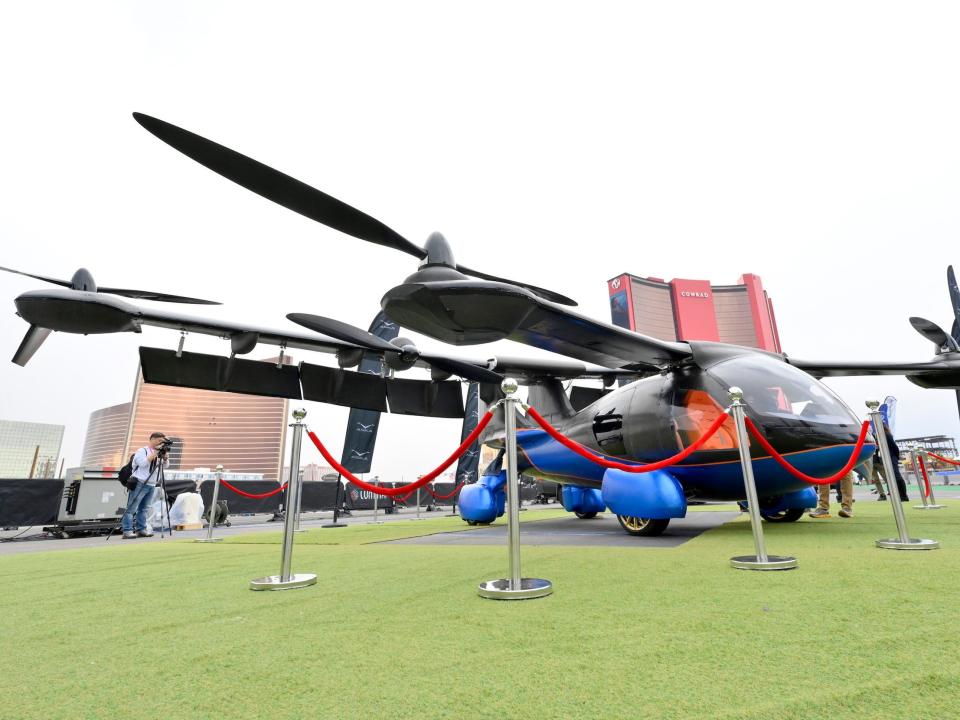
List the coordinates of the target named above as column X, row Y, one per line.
column 444, row 497
column 802, row 475
column 406, row 497
column 589, row 455
column 941, row 457
column 405, row 489
column 259, row 496
column 926, row 480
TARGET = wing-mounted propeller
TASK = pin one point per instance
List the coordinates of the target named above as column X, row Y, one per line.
column 935, row 334
column 436, row 256
column 399, row 354
column 49, row 309
column 82, row 280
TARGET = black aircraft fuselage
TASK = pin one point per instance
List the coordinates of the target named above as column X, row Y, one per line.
column 656, row 417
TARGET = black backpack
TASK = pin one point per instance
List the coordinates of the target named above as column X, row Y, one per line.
column 125, row 474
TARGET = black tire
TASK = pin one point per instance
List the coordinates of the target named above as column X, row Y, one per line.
column 784, row 516
column 585, row 515
column 642, row 527
column 471, row 522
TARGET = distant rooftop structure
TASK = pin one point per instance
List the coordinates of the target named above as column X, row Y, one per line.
column 940, row 444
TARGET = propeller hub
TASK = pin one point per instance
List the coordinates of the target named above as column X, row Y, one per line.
column 83, row 280
column 438, row 252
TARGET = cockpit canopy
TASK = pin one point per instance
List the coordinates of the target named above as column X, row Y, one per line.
column 789, row 406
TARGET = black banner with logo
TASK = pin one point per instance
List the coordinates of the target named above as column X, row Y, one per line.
column 469, row 462
column 361, row 436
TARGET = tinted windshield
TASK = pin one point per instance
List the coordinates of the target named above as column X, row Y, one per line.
column 774, row 389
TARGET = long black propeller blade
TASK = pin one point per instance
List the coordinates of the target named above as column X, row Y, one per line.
column 278, row 187
column 954, row 302
column 54, row 281
column 342, row 331
column 158, row 297
column 300, row 197
column 30, row 343
column 349, row 333
column 82, row 280
column 465, row 370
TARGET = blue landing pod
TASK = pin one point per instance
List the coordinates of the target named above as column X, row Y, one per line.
column 800, row 500
column 656, row 495
column 581, row 500
column 483, row 502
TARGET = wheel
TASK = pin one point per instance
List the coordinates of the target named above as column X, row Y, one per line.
column 791, row 515
column 471, row 522
column 585, row 515
column 643, row 527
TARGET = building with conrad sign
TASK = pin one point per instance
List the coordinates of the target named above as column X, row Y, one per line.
column 741, row 314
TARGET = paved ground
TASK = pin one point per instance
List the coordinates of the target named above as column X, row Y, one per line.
column 603, row 530
column 35, row 540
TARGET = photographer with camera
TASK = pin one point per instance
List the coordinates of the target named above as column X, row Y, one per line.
column 147, row 464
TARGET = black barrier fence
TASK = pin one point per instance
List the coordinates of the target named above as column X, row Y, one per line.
column 29, row 502
column 37, row 502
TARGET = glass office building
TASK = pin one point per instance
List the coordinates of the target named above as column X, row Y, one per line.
column 29, row 449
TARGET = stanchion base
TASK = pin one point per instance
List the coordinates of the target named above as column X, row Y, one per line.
column 773, row 562
column 928, row 507
column 529, row 588
column 910, row 544
column 332, row 525
column 298, row 530
column 273, row 582
column 207, row 539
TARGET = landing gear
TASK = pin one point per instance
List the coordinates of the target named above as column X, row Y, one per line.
column 585, row 515
column 783, row 516
column 643, row 527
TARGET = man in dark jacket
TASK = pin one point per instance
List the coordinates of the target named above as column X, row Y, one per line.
column 895, row 457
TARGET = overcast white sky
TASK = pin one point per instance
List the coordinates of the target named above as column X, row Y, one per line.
column 814, row 144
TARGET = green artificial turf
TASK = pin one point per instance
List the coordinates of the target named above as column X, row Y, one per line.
column 168, row 629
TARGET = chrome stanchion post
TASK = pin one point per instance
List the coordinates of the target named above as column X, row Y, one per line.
column 904, row 541
column 760, row 561
column 919, row 478
column 287, row 580
column 931, row 501
column 515, row 587
column 296, row 517
column 213, row 508
column 376, row 500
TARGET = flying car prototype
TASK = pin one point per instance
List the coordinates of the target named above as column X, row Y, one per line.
column 657, row 397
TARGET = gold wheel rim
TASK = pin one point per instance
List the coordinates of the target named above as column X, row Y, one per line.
column 635, row 523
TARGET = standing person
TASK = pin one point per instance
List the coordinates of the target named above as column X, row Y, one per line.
column 895, row 459
column 876, row 474
column 846, row 499
column 146, row 470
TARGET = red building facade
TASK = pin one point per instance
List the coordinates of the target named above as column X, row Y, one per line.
column 741, row 314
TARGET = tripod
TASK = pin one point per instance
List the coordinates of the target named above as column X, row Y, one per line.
column 162, row 484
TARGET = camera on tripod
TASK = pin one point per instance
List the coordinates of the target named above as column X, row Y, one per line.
column 164, row 446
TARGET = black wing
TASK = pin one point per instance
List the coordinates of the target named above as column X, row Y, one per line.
column 941, row 372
